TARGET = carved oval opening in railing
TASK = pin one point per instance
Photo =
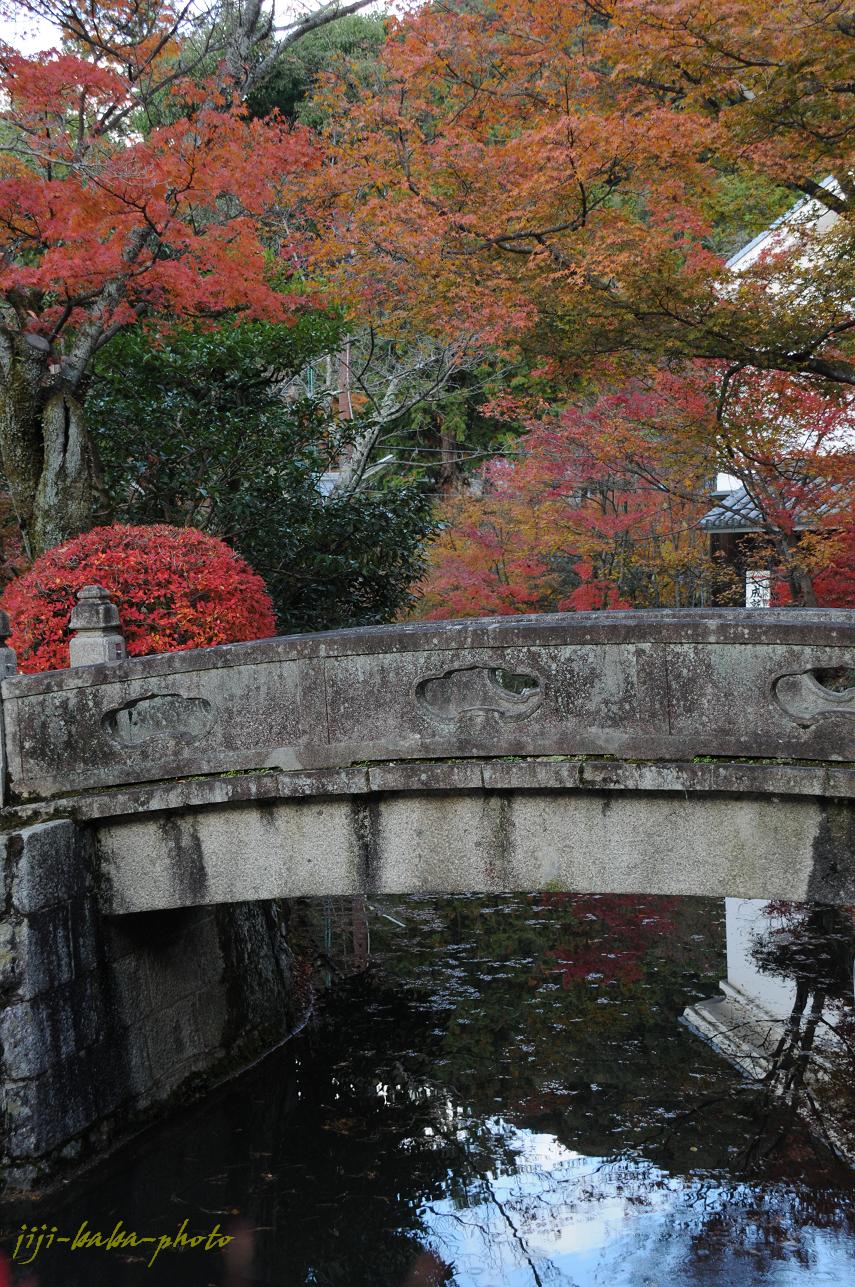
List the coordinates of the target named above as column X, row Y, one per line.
column 163, row 715
column 480, row 690
column 838, row 679
column 816, row 694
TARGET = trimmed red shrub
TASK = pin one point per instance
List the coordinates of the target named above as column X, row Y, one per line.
column 175, row 588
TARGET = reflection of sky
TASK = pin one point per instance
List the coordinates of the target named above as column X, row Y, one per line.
column 561, row 1218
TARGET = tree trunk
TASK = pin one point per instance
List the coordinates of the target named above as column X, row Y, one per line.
column 801, row 585
column 48, row 458
column 447, row 456
column 20, row 438
column 65, row 496
column 802, row 589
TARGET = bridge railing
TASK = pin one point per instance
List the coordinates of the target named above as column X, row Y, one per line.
column 660, row 686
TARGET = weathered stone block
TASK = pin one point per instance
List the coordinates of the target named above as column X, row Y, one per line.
column 47, row 865
column 308, row 847
column 46, row 1113
column 139, row 1078
column 85, row 933
column 36, row 1034
column 185, row 1037
column 11, row 963
column 130, row 990
column 37, row 952
column 184, row 965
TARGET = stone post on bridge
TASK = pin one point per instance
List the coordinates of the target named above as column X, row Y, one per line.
column 8, row 659
column 97, row 629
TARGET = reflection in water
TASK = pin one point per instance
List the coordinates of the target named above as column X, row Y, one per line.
column 786, row 1017
column 507, row 1096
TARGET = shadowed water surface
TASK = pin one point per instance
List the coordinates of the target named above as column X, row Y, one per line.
column 507, row 1095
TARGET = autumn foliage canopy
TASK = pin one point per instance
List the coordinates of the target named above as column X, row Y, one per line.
column 599, row 506
column 102, row 222
column 558, row 176
column 133, row 184
column 564, row 184
column 580, row 518
column 175, row 588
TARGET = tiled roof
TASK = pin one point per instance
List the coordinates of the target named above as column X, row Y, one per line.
column 735, row 512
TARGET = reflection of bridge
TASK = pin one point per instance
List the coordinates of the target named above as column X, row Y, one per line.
column 661, row 752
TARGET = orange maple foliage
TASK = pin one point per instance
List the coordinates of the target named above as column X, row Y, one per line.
column 556, row 180
column 552, row 175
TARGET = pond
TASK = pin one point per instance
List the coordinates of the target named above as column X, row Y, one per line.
column 509, row 1093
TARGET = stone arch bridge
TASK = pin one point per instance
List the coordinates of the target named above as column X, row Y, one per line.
column 696, row 752
column 159, row 811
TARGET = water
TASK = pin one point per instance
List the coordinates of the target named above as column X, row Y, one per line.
column 508, row 1096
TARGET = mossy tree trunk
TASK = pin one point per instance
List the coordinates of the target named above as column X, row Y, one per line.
column 48, row 457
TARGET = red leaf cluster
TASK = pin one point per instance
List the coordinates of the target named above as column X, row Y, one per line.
column 834, row 583
column 102, row 222
column 597, row 510
column 175, row 588
column 835, row 586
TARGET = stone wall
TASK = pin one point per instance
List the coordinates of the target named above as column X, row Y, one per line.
column 105, row 1022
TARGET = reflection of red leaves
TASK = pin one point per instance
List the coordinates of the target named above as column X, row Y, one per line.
column 596, row 964
column 618, row 930
column 175, row 588
column 428, row 1271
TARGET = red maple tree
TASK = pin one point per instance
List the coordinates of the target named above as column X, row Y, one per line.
column 600, row 506
column 133, row 184
column 598, row 509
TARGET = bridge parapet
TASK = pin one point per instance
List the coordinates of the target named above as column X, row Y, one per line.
column 655, row 686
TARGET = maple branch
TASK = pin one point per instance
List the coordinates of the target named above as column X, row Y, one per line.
column 835, row 369
column 252, row 32
column 727, row 379
column 93, row 333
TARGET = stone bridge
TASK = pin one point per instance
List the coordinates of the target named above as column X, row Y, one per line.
column 160, row 812
column 697, row 752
